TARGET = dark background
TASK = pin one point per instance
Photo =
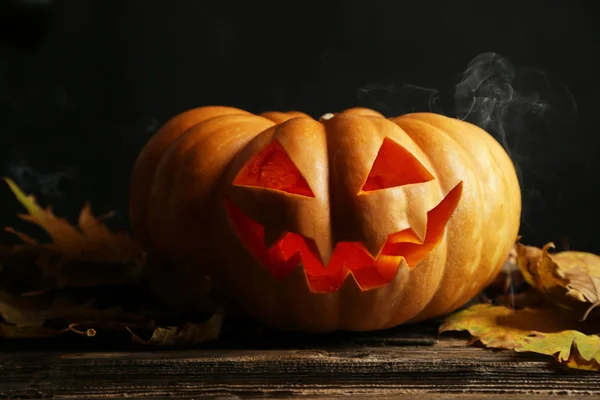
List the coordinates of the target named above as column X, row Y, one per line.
column 83, row 85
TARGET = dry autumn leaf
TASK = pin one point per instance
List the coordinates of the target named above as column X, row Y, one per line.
column 28, row 316
column 93, row 241
column 191, row 334
column 577, row 360
column 507, row 287
column 551, row 331
column 34, row 311
column 570, row 279
column 30, row 332
column 86, row 279
column 86, row 255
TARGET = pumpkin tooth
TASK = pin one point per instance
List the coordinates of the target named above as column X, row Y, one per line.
column 323, row 249
column 272, row 236
column 300, row 275
column 374, row 243
column 418, row 224
column 351, row 285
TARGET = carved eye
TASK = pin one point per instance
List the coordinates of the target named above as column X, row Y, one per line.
column 272, row 168
column 395, row 166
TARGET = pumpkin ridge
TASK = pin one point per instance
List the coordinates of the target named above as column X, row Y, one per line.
column 175, row 166
column 142, row 174
column 486, row 142
column 490, row 153
column 414, row 118
column 503, row 176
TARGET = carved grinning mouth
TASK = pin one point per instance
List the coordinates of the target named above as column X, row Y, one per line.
column 370, row 272
column 272, row 169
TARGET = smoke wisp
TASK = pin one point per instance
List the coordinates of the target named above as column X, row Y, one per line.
column 31, row 180
column 530, row 114
column 392, row 99
column 513, row 104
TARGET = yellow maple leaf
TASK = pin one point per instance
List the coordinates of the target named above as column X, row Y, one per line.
column 551, row 331
column 576, row 360
column 570, row 279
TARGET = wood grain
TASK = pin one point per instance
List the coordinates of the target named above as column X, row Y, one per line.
column 407, row 361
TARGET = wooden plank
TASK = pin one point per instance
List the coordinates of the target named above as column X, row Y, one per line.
column 444, row 368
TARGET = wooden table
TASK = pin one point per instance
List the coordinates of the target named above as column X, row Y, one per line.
column 409, row 360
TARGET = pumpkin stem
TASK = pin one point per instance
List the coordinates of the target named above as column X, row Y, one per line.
column 326, row 117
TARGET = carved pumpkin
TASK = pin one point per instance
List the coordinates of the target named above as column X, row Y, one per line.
column 353, row 222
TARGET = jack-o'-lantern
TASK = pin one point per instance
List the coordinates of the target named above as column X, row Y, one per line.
column 353, row 222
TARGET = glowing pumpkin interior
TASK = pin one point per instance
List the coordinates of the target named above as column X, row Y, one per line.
column 394, row 166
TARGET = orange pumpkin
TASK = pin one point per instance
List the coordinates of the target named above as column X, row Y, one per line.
column 352, row 222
